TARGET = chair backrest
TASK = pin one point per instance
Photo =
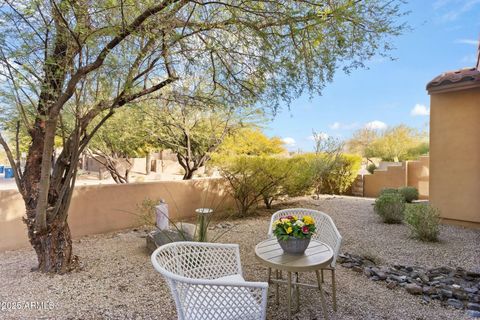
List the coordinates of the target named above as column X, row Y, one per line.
column 326, row 232
column 196, row 274
column 197, row 260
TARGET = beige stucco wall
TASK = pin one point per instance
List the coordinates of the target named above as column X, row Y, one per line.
column 392, row 177
column 455, row 154
column 105, row 208
column 410, row 173
column 418, row 172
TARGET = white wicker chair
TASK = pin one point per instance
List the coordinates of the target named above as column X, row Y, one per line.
column 326, row 232
column 206, row 282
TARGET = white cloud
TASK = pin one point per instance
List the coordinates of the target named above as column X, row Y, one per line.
column 420, row 110
column 335, row 125
column 338, row 125
column 467, row 41
column 376, row 125
column 289, row 141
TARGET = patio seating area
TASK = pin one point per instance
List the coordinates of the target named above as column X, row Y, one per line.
column 117, row 280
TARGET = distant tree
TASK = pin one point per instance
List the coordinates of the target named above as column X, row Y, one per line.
column 194, row 129
column 397, row 144
column 252, row 142
column 259, row 51
column 124, row 136
column 360, row 142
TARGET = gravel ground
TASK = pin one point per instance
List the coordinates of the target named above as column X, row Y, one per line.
column 117, row 281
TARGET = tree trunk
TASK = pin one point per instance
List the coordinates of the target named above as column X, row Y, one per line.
column 53, row 246
column 148, row 158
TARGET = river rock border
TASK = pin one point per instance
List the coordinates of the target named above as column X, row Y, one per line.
column 452, row 287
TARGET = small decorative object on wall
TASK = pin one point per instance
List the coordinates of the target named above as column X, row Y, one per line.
column 294, row 234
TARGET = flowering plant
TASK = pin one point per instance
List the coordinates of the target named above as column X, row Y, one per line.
column 291, row 226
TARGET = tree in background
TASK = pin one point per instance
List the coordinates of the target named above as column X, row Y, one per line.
column 194, row 127
column 360, row 142
column 253, row 142
column 124, row 136
column 261, row 51
column 398, row 143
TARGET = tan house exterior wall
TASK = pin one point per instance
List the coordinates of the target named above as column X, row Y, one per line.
column 455, row 155
column 105, row 208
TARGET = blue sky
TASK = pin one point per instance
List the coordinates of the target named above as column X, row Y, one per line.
column 444, row 38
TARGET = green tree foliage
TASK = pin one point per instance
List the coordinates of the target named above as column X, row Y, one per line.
column 252, row 142
column 124, row 136
column 397, row 144
column 194, row 127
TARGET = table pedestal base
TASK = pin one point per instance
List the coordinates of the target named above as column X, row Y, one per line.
column 291, row 285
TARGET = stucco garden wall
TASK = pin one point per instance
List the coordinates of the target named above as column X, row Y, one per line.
column 105, row 208
column 408, row 173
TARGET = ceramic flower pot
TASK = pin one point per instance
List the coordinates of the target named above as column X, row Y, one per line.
column 294, row 245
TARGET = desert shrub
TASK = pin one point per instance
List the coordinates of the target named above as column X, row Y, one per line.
column 388, row 191
column 390, row 207
column 253, row 178
column 371, row 167
column 409, row 193
column 299, row 180
column 342, row 174
column 423, row 221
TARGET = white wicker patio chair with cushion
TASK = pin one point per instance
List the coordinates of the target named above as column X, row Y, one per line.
column 206, row 282
column 326, row 232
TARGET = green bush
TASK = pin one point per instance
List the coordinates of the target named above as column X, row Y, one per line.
column 254, row 178
column 371, row 167
column 409, row 193
column 423, row 220
column 341, row 174
column 388, row 191
column 390, row 207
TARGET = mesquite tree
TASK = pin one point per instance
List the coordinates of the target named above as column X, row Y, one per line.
column 264, row 51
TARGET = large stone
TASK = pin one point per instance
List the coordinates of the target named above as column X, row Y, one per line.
column 473, row 306
column 446, row 293
column 455, row 303
column 157, row 238
column 413, row 288
column 473, row 313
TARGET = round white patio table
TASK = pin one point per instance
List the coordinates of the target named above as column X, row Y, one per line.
column 317, row 256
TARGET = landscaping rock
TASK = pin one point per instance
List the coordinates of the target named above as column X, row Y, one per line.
column 413, row 288
column 473, row 306
column 473, row 313
column 455, row 303
column 455, row 287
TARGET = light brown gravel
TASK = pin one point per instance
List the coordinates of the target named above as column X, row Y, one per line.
column 117, row 280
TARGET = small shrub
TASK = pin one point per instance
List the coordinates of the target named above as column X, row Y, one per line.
column 424, row 221
column 371, row 167
column 409, row 193
column 390, row 207
column 388, row 191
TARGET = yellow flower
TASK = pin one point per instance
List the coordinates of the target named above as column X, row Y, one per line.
column 308, row 220
column 276, row 222
column 295, row 217
column 289, row 230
